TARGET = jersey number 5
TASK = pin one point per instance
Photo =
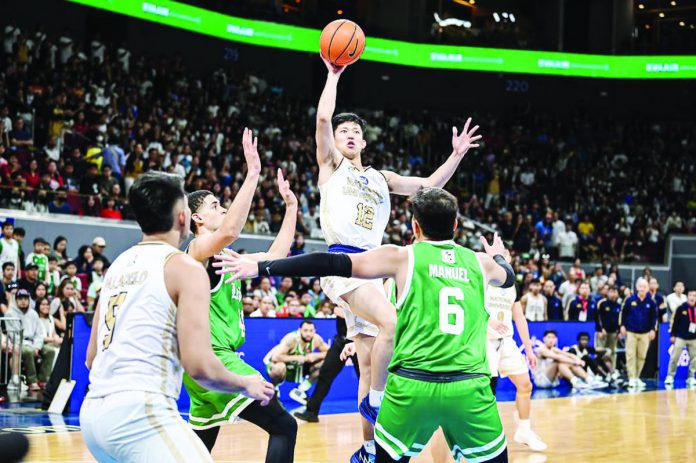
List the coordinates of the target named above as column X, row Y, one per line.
column 365, row 216
column 115, row 302
column 449, row 310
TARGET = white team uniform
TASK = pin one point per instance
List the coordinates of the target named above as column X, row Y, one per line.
column 534, row 311
column 130, row 411
column 355, row 210
column 504, row 358
column 9, row 253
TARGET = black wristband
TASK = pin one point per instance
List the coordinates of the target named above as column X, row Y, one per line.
column 317, row 264
column 509, row 273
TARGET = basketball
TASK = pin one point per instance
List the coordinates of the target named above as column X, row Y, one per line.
column 342, row 42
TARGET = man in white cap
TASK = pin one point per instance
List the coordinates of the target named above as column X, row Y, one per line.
column 98, row 246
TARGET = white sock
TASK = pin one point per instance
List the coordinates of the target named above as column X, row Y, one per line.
column 524, row 425
column 370, row 447
column 305, row 385
column 375, row 398
column 574, row 381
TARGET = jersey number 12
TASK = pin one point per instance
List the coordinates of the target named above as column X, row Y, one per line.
column 366, row 215
column 449, row 310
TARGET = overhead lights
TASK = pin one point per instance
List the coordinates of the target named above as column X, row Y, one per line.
column 641, row 6
column 512, row 17
column 647, row 26
column 451, row 21
column 673, row 3
column 339, row 12
column 496, row 16
column 682, row 23
column 662, row 15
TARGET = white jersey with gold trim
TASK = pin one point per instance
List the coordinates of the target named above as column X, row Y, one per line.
column 137, row 345
column 355, row 207
column 534, row 311
column 499, row 302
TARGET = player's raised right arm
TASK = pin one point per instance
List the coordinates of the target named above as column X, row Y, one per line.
column 189, row 287
column 326, row 147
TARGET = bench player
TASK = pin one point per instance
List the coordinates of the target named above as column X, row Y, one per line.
column 355, row 210
column 152, row 319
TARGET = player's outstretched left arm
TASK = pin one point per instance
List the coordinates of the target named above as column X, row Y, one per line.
column 208, row 245
column 523, row 330
column 461, row 143
column 283, row 241
column 496, row 266
column 383, row 262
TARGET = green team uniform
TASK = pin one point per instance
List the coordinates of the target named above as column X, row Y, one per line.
column 439, row 373
column 295, row 372
column 213, row 408
column 41, row 262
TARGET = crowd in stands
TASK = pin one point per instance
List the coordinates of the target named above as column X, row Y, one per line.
column 80, row 121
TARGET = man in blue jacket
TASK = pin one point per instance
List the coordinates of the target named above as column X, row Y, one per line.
column 638, row 323
column 683, row 334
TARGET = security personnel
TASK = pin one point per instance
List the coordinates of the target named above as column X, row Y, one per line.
column 683, row 334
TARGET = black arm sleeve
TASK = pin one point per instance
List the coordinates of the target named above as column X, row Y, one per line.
column 317, row 264
column 510, row 274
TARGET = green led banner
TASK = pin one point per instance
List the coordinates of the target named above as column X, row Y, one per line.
column 275, row 35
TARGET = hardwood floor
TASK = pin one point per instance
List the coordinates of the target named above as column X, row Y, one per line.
column 655, row 426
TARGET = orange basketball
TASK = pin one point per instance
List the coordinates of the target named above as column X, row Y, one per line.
column 342, row 42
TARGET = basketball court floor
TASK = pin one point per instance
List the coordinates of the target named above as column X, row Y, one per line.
column 595, row 426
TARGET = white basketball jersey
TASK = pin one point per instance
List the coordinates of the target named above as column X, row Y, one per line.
column 534, row 311
column 499, row 302
column 9, row 253
column 355, row 207
column 137, row 344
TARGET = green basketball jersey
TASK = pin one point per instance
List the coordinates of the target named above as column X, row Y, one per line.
column 226, row 312
column 441, row 320
column 41, row 262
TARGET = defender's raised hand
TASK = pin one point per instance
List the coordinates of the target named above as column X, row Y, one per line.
column 463, row 141
column 497, row 247
column 285, row 191
column 251, row 153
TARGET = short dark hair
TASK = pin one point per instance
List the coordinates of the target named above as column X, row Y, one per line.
column 7, row 264
column 339, row 119
column 52, row 258
column 583, row 334
column 435, row 210
column 550, row 332
column 195, row 200
column 612, row 288
column 20, row 231
column 306, row 322
column 7, row 223
column 152, row 199
column 535, row 281
column 106, row 166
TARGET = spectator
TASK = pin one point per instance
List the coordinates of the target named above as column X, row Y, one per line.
column 9, row 247
column 89, row 184
column 657, row 297
column 265, row 289
column 110, row 211
column 534, row 304
column 544, row 231
column 84, row 260
column 554, row 306
column 326, row 310
column 579, row 308
column 98, row 247
column 60, row 249
column 33, row 176
column 59, row 204
column 8, row 272
column 597, row 278
column 106, row 181
column 683, row 335
column 316, row 293
column 555, row 364
column 567, row 244
column 638, row 322
column 18, row 235
column 266, row 308
column 41, row 291
column 309, row 310
column 607, row 322
column 676, row 299
column 298, row 246
column 39, row 258
column 53, row 274
column 283, row 290
column 51, row 340
column 32, row 346
column 98, row 270
column 19, row 137
column 71, row 276
column 31, row 278
column 248, row 305
column 66, row 301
